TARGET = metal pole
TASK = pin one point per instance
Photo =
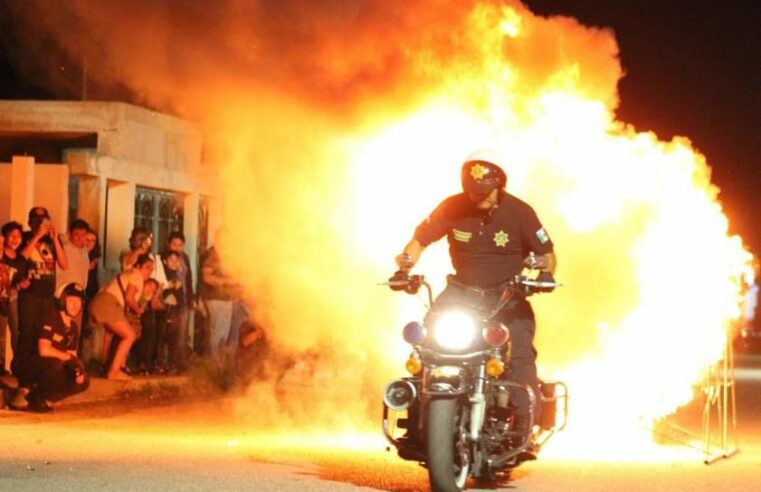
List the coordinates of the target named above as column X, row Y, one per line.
column 725, row 399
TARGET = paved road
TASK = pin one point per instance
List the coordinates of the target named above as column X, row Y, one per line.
column 209, row 446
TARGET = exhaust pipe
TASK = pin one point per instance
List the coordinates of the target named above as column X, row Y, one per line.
column 399, row 395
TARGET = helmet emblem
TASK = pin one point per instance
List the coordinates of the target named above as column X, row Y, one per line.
column 478, row 171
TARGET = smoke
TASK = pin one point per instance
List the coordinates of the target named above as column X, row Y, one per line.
column 334, row 54
column 175, row 54
column 334, row 127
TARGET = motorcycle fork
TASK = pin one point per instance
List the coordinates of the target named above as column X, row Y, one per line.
column 478, row 404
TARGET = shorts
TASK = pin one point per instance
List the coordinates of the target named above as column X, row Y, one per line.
column 105, row 309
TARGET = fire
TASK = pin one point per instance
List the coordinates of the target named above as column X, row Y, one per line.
column 651, row 275
column 335, row 131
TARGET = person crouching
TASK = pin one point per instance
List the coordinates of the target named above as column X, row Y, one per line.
column 52, row 371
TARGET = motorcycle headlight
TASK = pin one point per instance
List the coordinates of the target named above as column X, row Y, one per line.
column 454, row 330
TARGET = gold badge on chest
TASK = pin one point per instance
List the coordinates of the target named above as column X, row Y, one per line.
column 501, row 238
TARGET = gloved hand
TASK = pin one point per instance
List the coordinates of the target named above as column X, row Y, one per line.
column 535, row 262
column 399, row 280
column 545, row 277
column 404, row 261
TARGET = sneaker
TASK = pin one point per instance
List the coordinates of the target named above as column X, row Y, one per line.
column 119, row 376
column 19, row 400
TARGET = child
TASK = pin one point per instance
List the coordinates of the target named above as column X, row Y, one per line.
column 173, row 296
column 149, row 290
column 150, row 286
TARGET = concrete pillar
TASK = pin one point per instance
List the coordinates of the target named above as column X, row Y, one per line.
column 190, row 208
column 22, row 188
column 120, row 218
column 91, row 204
column 51, row 190
column 190, row 228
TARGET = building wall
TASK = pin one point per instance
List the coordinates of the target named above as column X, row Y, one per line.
column 125, row 132
column 50, row 189
column 135, row 147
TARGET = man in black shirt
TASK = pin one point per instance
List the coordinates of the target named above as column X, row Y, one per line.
column 491, row 235
column 44, row 253
column 52, row 370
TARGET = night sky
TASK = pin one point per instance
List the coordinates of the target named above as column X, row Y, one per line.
column 692, row 69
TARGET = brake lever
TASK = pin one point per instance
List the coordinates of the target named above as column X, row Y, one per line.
column 541, row 285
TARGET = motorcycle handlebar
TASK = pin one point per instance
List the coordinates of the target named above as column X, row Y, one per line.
column 410, row 284
column 518, row 285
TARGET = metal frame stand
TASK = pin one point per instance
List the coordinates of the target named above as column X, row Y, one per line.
column 720, row 395
column 720, row 403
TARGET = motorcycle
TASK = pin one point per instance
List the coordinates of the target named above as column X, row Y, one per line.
column 453, row 414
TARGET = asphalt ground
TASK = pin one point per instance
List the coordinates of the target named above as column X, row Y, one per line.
column 196, row 444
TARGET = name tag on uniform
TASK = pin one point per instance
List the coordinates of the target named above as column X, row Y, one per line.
column 57, row 337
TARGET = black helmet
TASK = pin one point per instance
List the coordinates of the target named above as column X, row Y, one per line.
column 67, row 290
column 481, row 172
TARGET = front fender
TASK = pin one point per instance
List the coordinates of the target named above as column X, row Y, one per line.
column 445, row 381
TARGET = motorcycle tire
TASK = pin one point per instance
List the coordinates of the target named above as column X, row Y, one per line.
column 444, row 473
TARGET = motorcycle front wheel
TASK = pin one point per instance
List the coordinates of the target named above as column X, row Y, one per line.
column 448, row 463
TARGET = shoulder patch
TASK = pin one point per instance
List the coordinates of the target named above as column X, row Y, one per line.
column 57, row 337
column 541, row 234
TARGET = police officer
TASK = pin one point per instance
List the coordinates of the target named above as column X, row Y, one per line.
column 491, row 235
column 52, row 370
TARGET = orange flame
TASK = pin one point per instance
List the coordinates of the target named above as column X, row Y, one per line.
column 652, row 277
column 337, row 129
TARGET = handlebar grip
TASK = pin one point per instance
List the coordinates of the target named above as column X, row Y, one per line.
column 398, row 283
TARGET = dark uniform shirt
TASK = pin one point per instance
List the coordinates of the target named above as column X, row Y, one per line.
column 52, row 328
column 487, row 247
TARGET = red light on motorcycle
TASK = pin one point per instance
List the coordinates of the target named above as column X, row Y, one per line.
column 413, row 365
column 495, row 368
column 496, row 334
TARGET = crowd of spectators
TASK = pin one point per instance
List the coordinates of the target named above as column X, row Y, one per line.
column 61, row 327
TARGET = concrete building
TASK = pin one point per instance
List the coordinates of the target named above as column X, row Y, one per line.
column 114, row 165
